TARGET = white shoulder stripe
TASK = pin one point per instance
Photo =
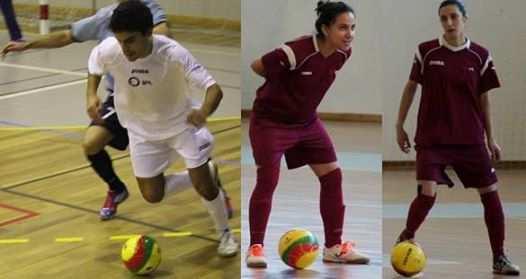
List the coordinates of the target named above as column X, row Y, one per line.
column 290, row 55
column 418, row 55
column 476, row 54
column 486, row 65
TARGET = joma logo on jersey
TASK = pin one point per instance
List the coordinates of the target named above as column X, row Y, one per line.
column 140, row 71
column 134, row 82
column 436, row 62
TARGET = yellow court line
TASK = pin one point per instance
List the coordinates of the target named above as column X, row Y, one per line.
column 13, row 241
column 177, row 234
column 83, row 127
column 236, row 230
column 123, row 237
column 69, row 239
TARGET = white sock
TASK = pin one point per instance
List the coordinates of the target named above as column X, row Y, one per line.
column 217, row 210
column 177, row 182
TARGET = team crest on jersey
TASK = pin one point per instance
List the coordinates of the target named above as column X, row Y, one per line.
column 437, row 63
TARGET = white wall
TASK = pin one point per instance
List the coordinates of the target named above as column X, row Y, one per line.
column 227, row 9
column 497, row 25
column 267, row 24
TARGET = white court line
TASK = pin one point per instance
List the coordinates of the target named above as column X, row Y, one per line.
column 41, row 69
column 42, row 89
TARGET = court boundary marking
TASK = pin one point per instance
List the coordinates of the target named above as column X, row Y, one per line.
column 76, row 239
column 27, row 214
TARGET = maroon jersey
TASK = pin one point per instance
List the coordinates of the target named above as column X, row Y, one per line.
column 297, row 76
column 452, row 79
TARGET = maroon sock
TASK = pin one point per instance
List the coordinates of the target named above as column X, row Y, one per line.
column 494, row 217
column 332, row 208
column 418, row 211
column 261, row 202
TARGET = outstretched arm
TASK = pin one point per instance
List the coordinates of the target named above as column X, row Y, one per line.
column 53, row 40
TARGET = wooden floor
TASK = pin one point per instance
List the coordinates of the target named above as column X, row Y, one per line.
column 49, row 192
column 295, row 204
column 454, row 238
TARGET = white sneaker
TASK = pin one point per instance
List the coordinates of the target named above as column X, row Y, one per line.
column 344, row 253
column 255, row 257
column 228, row 246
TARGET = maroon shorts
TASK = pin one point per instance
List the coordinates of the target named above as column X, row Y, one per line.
column 471, row 163
column 301, row 144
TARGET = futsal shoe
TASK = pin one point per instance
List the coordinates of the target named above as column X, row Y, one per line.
column 215, row 176
column 502, row 265
column 109, row 208
column 344, row 253
column 256, row 257
column 228, row 246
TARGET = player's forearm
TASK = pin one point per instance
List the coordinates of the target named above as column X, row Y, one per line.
column 213, row 97
column 485, row 107
column 93, row 85
column 406, row 101
column 53, row 40
column 258, row 67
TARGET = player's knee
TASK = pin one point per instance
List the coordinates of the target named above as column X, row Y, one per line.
column 488, row 189
column 208, row 192
column 267, row 178
column 152, row 197
column 90, row 147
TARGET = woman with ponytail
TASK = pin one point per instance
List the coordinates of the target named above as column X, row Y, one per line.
column 284, row 123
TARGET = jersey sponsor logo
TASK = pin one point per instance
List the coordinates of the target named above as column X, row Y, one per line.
column 306, row 73
column 140, row 71
column 437, row 63
column 471, row 69
column 135, row 81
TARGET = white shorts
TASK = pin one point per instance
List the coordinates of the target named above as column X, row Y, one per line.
column 151, row 158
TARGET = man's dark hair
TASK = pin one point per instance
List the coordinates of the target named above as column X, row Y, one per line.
column 131, row 16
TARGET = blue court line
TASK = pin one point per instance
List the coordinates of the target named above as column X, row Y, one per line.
column 455, row 210
column 354, row 161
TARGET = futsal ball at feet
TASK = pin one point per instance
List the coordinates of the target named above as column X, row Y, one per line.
column 407, row 258
column 141, row 254
column 298, row 248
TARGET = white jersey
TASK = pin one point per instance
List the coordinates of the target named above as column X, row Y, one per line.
column 152, row 93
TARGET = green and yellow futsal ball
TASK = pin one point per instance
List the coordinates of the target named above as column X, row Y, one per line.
column 298, row 248
column 407, row 258
column 141, row 254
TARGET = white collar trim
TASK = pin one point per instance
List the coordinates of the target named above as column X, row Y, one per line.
column 315, row 42
column 445, row 44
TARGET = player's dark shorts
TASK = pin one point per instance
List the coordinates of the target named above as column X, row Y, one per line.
column 111, row 122
column 301, row 144
column 471, row 163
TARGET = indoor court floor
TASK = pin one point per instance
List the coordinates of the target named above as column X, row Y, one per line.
column 454, row 236
column 295, row 204
column 50, row 197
